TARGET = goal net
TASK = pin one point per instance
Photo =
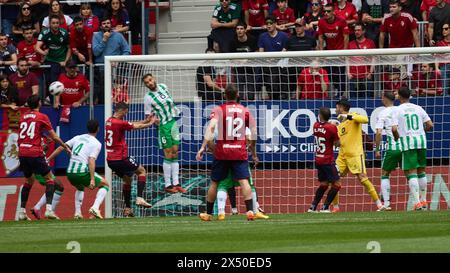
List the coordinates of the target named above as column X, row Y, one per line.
column 284, row 91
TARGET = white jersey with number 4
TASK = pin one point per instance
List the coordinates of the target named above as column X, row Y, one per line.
column 385, row 122
column 410, row 119
column 83, row 147
column 160, row 102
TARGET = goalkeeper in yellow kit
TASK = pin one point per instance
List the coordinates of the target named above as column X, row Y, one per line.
column 351, row 153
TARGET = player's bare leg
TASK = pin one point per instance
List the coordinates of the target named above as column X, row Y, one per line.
column 126, row 191
column 142, row 178
column 49, row 193
column 210, row 199
column 101, row 194
column 422, row 176
column 24, row 198
column 364, row 180
column 413, row 183
column 385, row 191
column 247, row 193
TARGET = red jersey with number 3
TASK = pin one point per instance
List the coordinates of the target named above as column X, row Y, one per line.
column 233, row 119
column 116, row 146
column 325, row 134
column 32, row 125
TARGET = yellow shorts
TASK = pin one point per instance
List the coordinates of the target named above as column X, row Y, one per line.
column 354, row 164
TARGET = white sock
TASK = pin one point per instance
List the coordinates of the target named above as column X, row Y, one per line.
column 56, row 197
column 79, row 196
column 48, row 207
column 423, row 187
column 167, row 168
column 255, row 204
column 99, row 198
column 175, row 172
column 414, row 189
column 41, row 202
column 221, row 200
column 386, row 191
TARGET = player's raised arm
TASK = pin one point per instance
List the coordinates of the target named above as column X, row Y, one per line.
column 55, row 153
column 149, row 121
column 55, row 138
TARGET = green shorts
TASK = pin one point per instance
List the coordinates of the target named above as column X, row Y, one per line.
column 391, row 160
column 169, row 135
column 41, row 179
column 83, row 180
column 413, row 159
column 228, row 183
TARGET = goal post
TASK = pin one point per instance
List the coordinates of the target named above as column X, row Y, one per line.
column 285, row 180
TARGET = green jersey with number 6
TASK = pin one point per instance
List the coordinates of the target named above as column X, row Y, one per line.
column 160, row 102
column 83, row 147
column 410, row 119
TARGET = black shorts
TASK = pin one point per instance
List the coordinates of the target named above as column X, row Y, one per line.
column 33, row 165
column 327, row 173
column 221, row 168
column 124, row 167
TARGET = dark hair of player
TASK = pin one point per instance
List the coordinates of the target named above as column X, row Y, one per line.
column 389, row 95
column 325, row 113
column 92, row 126
column 33, row 101
column 231, row 92
column 404, row 92
column 121, row 105
column 147, row 75
column 344, row 103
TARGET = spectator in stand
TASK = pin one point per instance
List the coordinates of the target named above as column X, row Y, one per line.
column 347, row 11
column 400, row 26
column 39, row 9
column 248, row 79
column 284, row 16
column 275, row 77
column 334, row 31
column 26, row 49
column 8, row 55
column 312, row 18
column 99, row 7
column 360, row 76
column 134, row 8
column 439, row 15
column 255, row 11
column 76, row 88
column 120, row 21
column 299, row 7
column 8, row 15
column 427, row 81
column 207, row 87
column 120, row 90
column 81, row 42
column 372, row 16
column 392, row 80
column 56, row 10
column 445, row 67
column 313, row 83
column 25, row 19
column 89, row 19
column 224, row 20
column 24, row 81
column 412, row 7
column 71, row 8
column 55, row 40
column 8, row 94
column 106, row 43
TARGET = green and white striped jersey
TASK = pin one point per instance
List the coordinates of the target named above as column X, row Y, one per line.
column 410, row 119
column 160, row 102
column 83, row 147
column 385, row 122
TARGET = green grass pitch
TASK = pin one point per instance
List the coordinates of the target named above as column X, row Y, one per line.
column 343, row 232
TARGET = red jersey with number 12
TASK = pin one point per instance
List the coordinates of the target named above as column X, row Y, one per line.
column 325, row 134
column 32, row 125
column 233, row 119
column 116, row 146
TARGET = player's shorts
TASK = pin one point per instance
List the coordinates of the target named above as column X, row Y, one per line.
column 221, row 168
column 413, row 159
column 42, row 180
column 327, row 173
column 83, row 180
column 123, row 167
column 169, row 135
column 228, row 183
column 355, row 165
column 391, row 160
column 33, row 165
